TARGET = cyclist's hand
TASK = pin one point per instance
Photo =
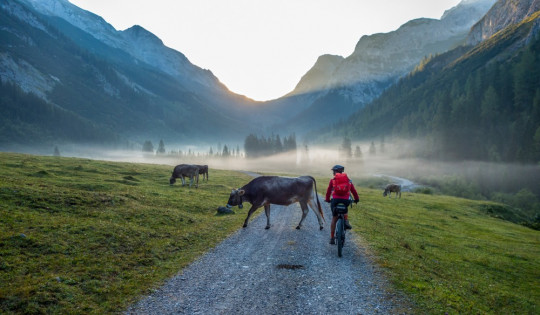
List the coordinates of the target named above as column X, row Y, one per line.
column 327, row 201
column 356, row 200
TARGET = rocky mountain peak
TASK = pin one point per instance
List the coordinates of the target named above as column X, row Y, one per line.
column 315, row 79
column 472, row 7
column 85, row 20
column 502, row 14
column 381, row 58
column 136, row 41
column 139, row 33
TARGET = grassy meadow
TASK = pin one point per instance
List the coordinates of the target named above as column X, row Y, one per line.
column 449, row 254
column 79, row 236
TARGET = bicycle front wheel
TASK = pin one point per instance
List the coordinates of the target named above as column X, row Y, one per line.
column 340, row 236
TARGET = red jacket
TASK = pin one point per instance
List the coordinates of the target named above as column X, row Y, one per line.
column 330, row 191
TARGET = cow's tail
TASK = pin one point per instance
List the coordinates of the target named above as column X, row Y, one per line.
column 317, row 197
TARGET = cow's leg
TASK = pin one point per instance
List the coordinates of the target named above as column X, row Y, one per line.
column 267, row 212
column 250, row 212
column 197, row 185
column 313, row 205
column 305, row 210
column 183, row 180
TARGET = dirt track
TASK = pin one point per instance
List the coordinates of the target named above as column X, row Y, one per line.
column 277, row 271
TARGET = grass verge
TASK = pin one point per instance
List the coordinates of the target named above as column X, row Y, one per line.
column 449, row 254
column 83, row 236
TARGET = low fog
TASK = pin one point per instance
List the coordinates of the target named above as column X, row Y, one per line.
column 368, row 164
column 364, row 161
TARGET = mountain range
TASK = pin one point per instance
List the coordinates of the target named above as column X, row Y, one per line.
column 122, row 86
column 474, row 102
column 69, row 76
column 336, row 87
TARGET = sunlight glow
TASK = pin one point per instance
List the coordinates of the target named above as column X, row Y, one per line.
column 261, row 48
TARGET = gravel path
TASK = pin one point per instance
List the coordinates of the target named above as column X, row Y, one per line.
column 277, row 271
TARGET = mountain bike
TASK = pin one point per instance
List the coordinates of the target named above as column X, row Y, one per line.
column 341, row 210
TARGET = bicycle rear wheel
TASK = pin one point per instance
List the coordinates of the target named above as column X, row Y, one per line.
column 340, row 236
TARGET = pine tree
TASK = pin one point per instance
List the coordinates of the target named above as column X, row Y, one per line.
column 358, row 152
column 161, row 148
column 346, row 149
column 251, row 146
column 372, row 150
column 278, row 146
column 226, row 152
column 525, row 79
column 148, row 146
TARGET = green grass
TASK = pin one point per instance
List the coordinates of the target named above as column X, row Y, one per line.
column 82, row 236
column 449, row 254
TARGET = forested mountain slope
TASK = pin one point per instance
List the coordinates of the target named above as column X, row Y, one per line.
column 481, row 103
column 62, row 84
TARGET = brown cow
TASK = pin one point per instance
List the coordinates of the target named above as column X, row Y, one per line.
column 185, row 170
column 392, row 188
column 283, row 191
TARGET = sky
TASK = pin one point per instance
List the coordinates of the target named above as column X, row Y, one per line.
column 262, row 48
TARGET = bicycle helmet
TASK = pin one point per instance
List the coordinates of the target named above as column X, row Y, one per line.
column 338, row 168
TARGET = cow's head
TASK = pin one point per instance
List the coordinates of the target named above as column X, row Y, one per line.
column 385, row 193
column 172, row 180
column 235, row 199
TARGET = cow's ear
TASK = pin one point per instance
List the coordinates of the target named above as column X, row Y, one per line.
column 241, row 192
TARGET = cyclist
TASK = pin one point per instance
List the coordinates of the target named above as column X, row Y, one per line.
column 340, row 188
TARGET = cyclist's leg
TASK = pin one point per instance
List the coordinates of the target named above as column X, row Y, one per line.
column 348, row 225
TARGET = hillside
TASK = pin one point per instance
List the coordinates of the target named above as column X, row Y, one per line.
column 480, row 104
column 121, row 86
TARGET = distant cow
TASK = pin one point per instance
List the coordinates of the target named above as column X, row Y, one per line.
column 283, row 191
column 185, row 170
column 203, row 170
column 392, row 188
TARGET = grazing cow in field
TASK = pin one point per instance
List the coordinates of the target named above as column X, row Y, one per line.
column 392, row 188
column 185, row 170
column 283, row 191
column 203, row 170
